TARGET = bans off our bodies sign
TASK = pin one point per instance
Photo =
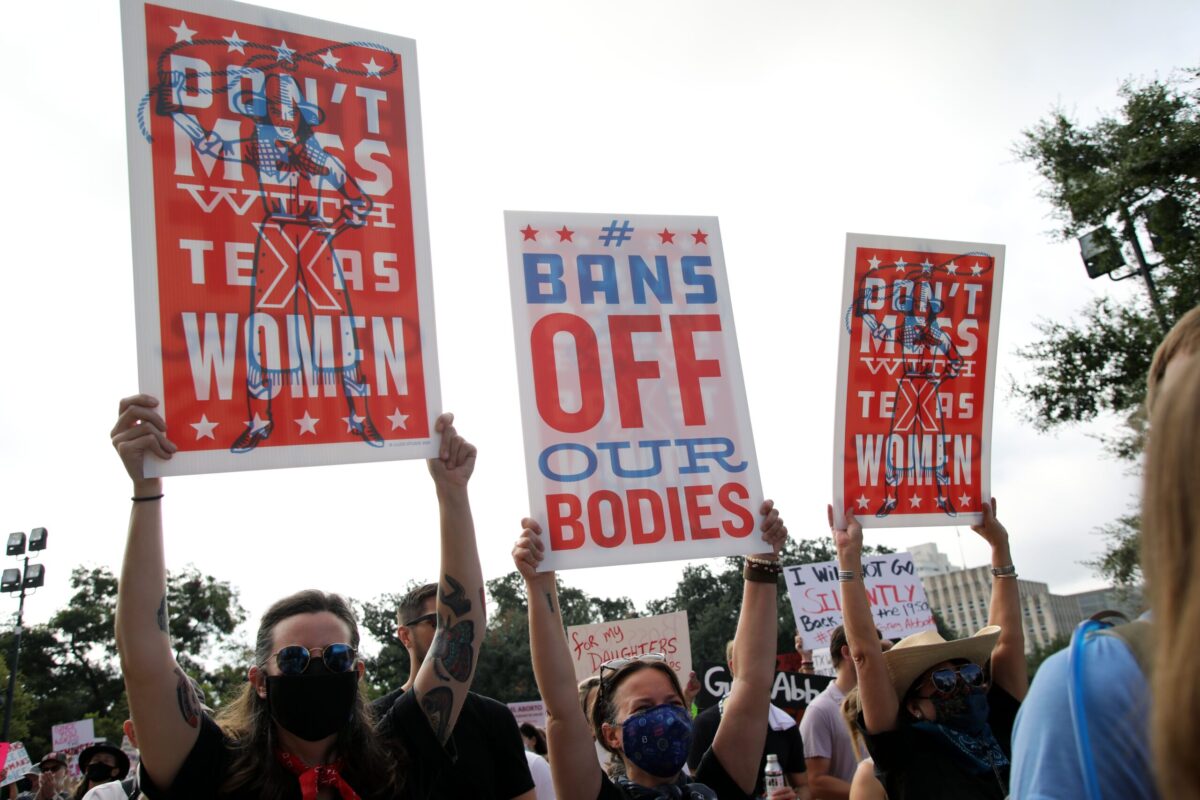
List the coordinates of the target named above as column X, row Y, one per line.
column 281, row 255
column 637, row 438
column 916, row 371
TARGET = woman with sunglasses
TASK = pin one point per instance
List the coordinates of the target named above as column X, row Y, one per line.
column 936, row 720
column 640, row 713
column 301, row 728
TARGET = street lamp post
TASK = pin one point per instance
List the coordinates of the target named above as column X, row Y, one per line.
column 31, row 577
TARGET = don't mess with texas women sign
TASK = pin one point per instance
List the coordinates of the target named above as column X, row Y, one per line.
column 281, row 254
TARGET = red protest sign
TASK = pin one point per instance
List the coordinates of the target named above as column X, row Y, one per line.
column 281, row 257
column 916, row 371
column 637, row 435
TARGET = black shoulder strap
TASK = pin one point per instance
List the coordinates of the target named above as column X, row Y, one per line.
column 1138, row 636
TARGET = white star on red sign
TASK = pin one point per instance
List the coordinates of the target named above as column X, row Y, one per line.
column 204, row 428
column 182, row 32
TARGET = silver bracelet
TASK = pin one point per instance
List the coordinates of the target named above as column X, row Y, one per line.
column 1007, row 571
column 847, row 575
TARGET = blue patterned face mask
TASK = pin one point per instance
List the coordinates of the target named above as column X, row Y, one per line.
column 657, row 739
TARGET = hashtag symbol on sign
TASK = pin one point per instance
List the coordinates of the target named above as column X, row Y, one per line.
column 611, row 233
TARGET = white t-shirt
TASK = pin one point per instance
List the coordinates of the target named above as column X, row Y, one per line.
column 539, row 768
column 825, row 735
column 107, row 791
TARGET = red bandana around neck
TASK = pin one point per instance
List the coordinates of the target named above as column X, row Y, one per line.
column 313, row 778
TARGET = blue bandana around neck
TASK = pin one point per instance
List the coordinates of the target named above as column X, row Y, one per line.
column 966, row 735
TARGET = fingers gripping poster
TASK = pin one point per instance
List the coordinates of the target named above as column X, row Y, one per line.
column 916, row 371
column 281, row 254
column 637, row 438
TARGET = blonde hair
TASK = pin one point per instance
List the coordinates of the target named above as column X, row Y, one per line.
column 588, row 686
column 851, row 706
column 1182, row 339
column 1171, row 560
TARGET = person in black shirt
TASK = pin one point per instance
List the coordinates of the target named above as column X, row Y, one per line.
column 640, row 712
column 301, row 726
column 935, row 722
column 485, row 754
column 783, row 739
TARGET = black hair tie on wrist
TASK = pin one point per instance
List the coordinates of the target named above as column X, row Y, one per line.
column 147, row 498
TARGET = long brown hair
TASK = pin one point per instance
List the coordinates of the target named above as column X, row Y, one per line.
column 1183, row 338
column 1171, row 562
column 368, row 764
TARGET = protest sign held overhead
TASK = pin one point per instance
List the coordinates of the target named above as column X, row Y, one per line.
column 916, row 371
column 281, row 255
column 72, row 734
column 791, row 691
column 898, row 602
column 601, row 642
column 637, row 438
column 531, row 711
column 16, row 762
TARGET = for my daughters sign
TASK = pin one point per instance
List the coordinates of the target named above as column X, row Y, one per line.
column 594, row 645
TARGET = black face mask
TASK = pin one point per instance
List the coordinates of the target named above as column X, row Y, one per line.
column 100, row 773
column 312, row 706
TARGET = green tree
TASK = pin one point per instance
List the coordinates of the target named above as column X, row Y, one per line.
column 943, row 628
column 505, row 670
column 389, row 669
column 1132, row 173
column 69, row 667
column 1040, row 653
column 22, row 705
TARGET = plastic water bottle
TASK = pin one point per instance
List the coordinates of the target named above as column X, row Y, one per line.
column 773, row 775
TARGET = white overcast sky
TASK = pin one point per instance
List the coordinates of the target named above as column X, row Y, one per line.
column 794, row 122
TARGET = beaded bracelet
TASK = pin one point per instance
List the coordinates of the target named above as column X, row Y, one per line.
column 759, row 570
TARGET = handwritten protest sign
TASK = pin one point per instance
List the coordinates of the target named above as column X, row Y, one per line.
column 71, row 734
column 637, row 437
column 791, row 691
column 593, row 645
column 533, row 712
column 897, row 598
column 280, row 242
column 916, row 371
column 16, row 762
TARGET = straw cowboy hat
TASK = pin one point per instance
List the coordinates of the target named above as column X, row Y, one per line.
column 914, row 654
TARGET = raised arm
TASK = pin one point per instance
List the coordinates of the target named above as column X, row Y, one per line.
column 161, row 701
column 1009, row 668
column 738, row 744
column 573, row 761
column 880, row 706
column 445, row 677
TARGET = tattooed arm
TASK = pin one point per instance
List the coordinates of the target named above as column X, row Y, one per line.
column 573, row 761
column 445, row 676
column 161, row 701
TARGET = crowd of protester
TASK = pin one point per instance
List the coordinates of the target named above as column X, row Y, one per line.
column 1113, row 715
